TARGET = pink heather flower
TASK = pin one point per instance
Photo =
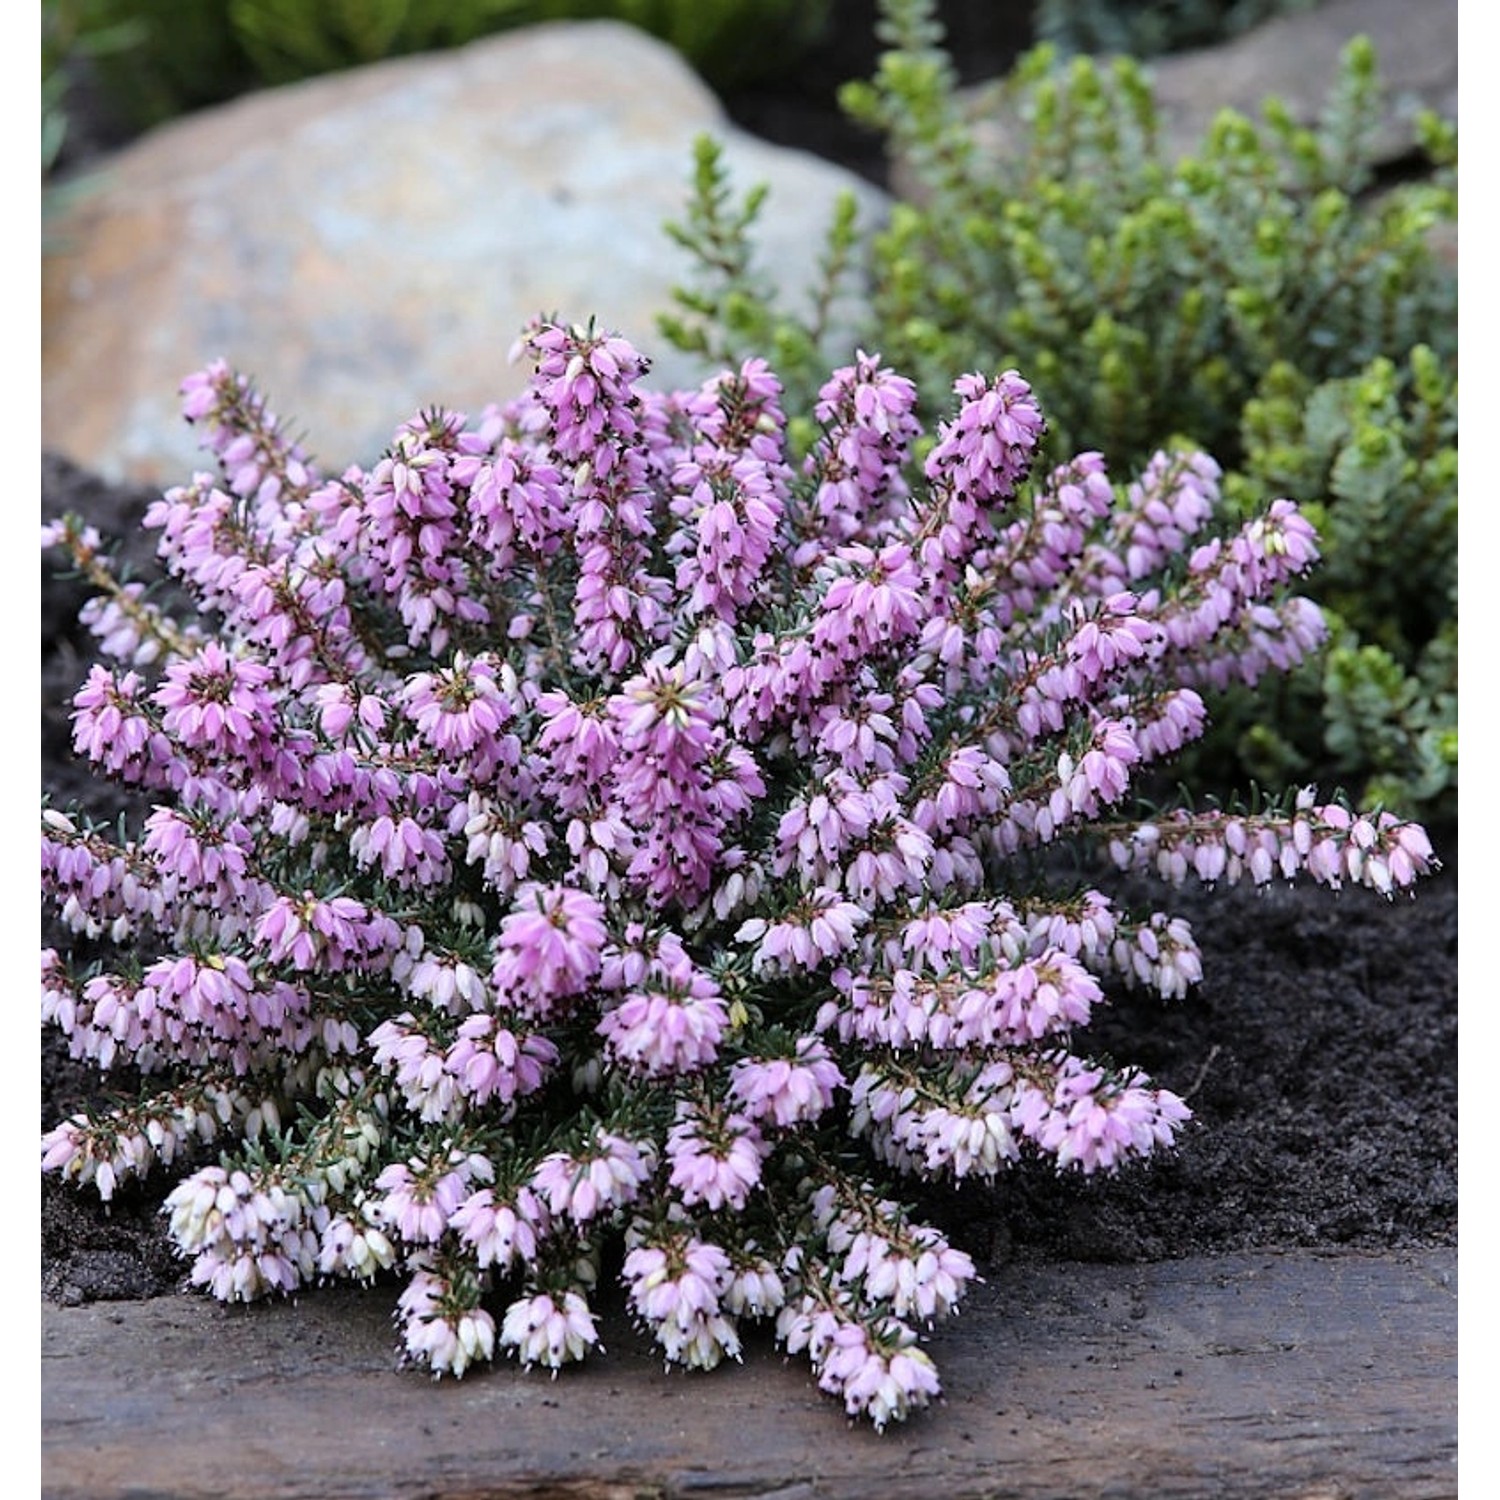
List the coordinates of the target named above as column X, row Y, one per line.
column 941, row 938
column 242, row 431
column 660, row 785
column 786, row 1091
column 827, row 820
column 358, row 1250
column 869, row 427
column 676, row 1290
column 986, row 449
column 128, row 627
column 1328, row 843
column 737, row 504
column 972, row 1136
column 549, row 946
column 1039, row 995
column 443, row 1329
column 503, row 1231
column 1092, row 1122
column 579, row 743
column 343, row 711
column 216, row 705
column 880, row 1373
column 914, row 1269
column 606, row 1175
column 820, row 927
column 72, row 1149
column 420, row 1197
column 1174, row 498
column 459, row 708
column 491, row 1063
column 310, row 932
column 201, row 854
column 645, row 957
column 674, row 1029
column 251, row 1235
column 515, row 501
column 402, row 849
column 715, row 1159
column 1113, row 638
column 549, row 1330
column 871, row 603
column 507, row 848
column 1160, row 954
column 403, row 1050
column 755, row 1287
column 443, row 980
column 113, row 728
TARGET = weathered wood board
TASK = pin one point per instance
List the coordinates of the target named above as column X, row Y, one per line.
column 1321, row 1377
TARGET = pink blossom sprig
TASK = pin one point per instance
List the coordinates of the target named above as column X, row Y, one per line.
column 587, row 830
column 130, row 626
column 1328, row 843
column 260, row 460
column 858, row 466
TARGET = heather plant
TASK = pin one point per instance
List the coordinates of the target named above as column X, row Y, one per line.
column 594, row 839
column 1153, row 303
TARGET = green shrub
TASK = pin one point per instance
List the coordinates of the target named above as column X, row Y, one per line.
column 1256, row 299
column 1378, row 451
column 191, row 53
column 75, row 33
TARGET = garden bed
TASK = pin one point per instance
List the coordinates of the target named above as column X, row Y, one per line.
column 1271, row 1309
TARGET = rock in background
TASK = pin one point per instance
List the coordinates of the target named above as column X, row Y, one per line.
column 369, row 243
column 1294, row 57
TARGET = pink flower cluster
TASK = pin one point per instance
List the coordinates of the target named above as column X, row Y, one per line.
column 596, row 822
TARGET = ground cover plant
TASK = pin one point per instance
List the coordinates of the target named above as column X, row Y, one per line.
column 1265, row 299
column 592, row 841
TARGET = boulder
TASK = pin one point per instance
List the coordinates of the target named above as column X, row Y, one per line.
column 369, row 243
column 1294, row 57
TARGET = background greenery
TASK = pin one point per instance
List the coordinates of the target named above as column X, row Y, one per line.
column 156, row 59
column 1265, row 298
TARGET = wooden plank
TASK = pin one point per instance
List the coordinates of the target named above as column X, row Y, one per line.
column 1322, row 1377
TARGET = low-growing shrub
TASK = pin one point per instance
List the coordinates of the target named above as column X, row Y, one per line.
column 1153, row 303
column 592, row 839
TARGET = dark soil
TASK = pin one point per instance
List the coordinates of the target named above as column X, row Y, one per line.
column 1319, row 1055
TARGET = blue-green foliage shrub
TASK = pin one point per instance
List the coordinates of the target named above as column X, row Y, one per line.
column 1258, row 299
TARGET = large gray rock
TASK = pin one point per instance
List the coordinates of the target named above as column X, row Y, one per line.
column 369, row 243
column 1294, row 57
